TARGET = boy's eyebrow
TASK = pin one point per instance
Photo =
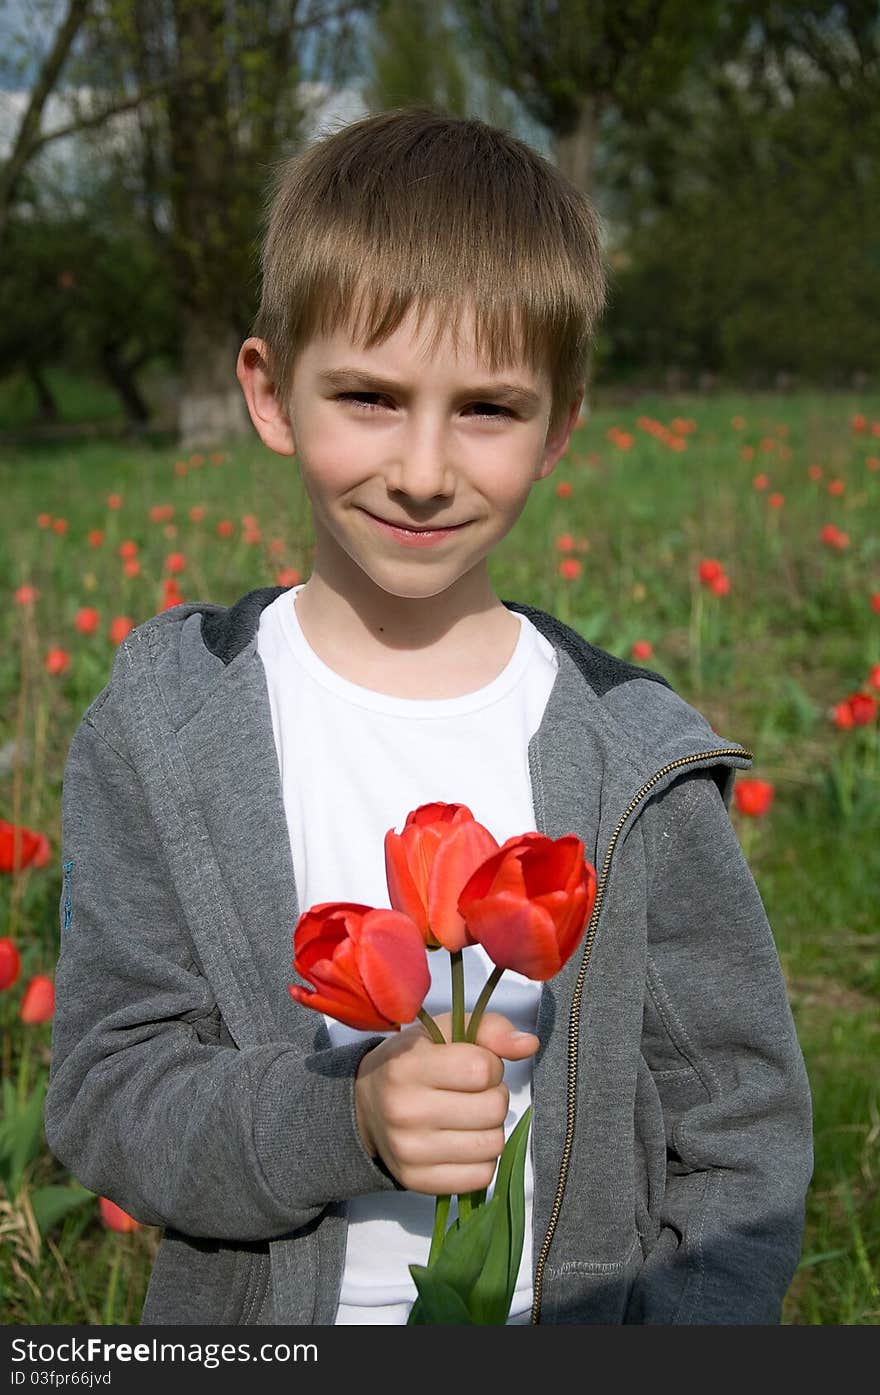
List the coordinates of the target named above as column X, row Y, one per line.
column 371, row 382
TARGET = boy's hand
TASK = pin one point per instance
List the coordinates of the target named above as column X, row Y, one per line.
column 435, row 1114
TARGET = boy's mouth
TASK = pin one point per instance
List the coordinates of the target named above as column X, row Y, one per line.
column 407, row 527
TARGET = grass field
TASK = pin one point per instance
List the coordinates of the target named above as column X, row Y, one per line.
column 783, row 492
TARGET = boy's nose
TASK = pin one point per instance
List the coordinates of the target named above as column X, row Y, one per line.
column 420, row 465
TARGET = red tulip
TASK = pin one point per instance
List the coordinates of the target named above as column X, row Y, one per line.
column 369, row 967
column 22, row 847
column 529, row 903
column 708, row 569
column 863, row 707
column 114, row 1217
column 753, row 797
column 38, row 1002
column 427, row 865
column 10, row 962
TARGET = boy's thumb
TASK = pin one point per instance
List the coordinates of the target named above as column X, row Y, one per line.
column 498, row 1033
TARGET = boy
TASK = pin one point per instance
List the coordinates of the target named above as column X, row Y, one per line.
column 429, row 290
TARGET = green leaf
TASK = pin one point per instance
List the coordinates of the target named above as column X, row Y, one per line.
column 456, row 1267
column 21, row 1134
column 51, row 1204
column 441, row 1305
column 492, row 1293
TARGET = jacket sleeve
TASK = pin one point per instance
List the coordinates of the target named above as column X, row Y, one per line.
column 720, row 1043
column 147, row 1104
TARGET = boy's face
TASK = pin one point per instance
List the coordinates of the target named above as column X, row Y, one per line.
column 395, row 433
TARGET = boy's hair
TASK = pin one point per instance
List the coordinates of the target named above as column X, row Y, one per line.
column 415, row 206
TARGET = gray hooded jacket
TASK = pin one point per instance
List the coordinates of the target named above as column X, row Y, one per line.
column 671, row 1134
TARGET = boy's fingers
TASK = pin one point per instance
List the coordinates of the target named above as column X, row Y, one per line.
column 500, row 1035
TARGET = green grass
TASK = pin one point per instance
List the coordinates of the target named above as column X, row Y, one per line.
column 766, row 664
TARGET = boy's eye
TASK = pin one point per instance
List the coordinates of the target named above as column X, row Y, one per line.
column 371, row 401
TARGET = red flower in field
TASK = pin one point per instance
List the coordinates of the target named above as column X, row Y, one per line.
column 225, row 528
column 857, row 710
column 56, row 661
column 28, row 848
column 859, row 423
column 747, row 452
column 26, row 595
column 217, row 457
column 563, row 489
column 115, row 1218
column 863, row 707
column 196, row 513
column 120, row 626
column 842, row 716
column 760, row 481
column 160, row 513
column 288, row 576
column 708, row 569
column 181, row 468
column 175, row 562
column 831, row 536
column 128, row 549
column 815, row 472
column 564, row 543
column 59, row 525
column 874, row 676
column 428, row 863
column 369, row 967
column 720, row 585
column 95, row 538
column 114, row 501
column 196, row 460
column 776, row 501
column 569, row 568
column 38, row 1000
column 132, row 567
column 738, row 423
column 753, row 797
column 642, row 649
column 836, row 486
column 873, row 462
column 528, row 905
column 875, row 602
column 10, row 962
column 86, row 620
column 44, row 520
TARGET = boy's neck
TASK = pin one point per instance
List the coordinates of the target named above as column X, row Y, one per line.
column 409, row 649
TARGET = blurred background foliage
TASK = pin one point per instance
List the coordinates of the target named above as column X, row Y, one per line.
column 731, row 149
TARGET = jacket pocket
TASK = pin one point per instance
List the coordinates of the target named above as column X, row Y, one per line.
column 650, row 1156
column 207, row 1282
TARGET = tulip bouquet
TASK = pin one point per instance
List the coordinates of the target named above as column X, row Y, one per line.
column 451, row 885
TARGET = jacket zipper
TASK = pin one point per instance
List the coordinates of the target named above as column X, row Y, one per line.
column 574, row 1018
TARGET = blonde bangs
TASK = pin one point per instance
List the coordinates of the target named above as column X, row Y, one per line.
column 442, row 214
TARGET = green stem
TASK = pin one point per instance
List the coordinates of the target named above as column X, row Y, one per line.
column 456, row 964
column 476, row 1016
column 431, row 1027
column 441, row 1215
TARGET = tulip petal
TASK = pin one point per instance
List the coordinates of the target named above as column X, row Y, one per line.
column 516, row 934
column 456, row 858
column 393, row 963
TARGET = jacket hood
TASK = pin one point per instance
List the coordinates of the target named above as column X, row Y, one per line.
column 195, row 645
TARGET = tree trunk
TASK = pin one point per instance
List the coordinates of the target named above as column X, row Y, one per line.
column 211, row 407
column 575, row 152
column 123, row 383
column 204, row 190
column 46, row 404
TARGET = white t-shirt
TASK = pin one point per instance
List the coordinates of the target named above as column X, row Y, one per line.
column 353, row 764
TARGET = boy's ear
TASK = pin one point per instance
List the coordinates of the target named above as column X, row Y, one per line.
column 268, row 414
column 557, row 441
